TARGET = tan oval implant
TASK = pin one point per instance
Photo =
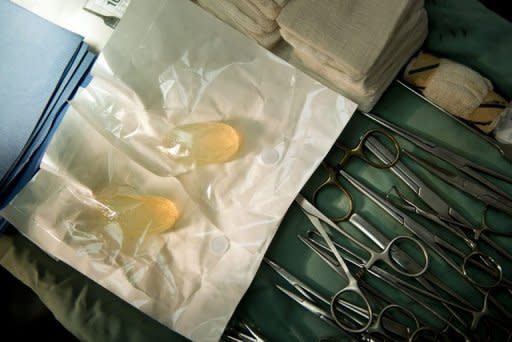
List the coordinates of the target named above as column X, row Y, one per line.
column 139, row 214
column 208, row 142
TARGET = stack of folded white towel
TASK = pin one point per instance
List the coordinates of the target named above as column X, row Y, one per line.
column 357, row 46
column 255, row 18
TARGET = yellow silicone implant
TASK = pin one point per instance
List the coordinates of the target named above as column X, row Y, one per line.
column 204, row 143
column 139, row 214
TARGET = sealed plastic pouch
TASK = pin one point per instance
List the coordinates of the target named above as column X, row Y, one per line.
column 175, row 165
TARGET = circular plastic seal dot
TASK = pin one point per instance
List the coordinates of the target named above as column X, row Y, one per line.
column 219, row 245
column 270, row 156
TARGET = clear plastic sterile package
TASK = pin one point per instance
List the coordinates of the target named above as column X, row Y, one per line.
column 172, row 78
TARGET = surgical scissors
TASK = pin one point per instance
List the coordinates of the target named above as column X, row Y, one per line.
column 402, row 259
column 387, row 245
column 477, row 185
column 307, row 297
column 437, row 245
column 446, row 216
column 348, row 153
column 321, row 249
column 427, row 280
column 317, row 218
column 383, row 324
column 327, row 255
column 352, row 287
column 429, row 238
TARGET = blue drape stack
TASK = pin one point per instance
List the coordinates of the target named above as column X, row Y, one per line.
column 41, row 67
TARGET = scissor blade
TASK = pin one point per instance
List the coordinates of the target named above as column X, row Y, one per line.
column 429, row 197
column 469, row 170
column 489, row 171
column 474, row 189
column 369, row 230
column 324, row 252
column 311, row 210
column 315, row 216
column 256, row 337
column 293, row 281
column 391, row 210
column 313, row 308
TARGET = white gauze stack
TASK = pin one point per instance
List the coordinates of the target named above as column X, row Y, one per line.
column 255, row 18
column 356, row 47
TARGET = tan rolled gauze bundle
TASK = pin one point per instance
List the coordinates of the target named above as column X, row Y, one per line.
column 457, row 89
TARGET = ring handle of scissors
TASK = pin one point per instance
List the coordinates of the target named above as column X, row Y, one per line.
column 489, row 262
column 485, row 226
column 392, row 245
column 359, row 150
column 332, row 181
column 405, row 312
column 335, row 312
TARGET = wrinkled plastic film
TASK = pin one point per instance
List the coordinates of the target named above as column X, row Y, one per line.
column 175, row 165
column 73, row 208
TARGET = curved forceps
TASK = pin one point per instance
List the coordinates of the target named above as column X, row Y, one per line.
column 348, row 153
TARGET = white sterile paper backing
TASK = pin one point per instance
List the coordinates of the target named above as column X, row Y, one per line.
column 169, row 64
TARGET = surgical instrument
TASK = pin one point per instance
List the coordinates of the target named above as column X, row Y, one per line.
column 439, row 246
column 387, row 245
column 243, row 333
column 504, row 149
column 348, row 153
column 311, row 300
column 352, row 287
column 327, row 255
column 492, row 195
column 447, row 216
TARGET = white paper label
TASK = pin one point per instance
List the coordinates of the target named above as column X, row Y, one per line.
column 114, row 8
